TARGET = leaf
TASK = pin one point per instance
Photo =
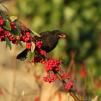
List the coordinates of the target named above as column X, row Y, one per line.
column 7, row 25
column 35, row 33
column 30, row 55
column 20, row 43
column 18, row 27
column 8, row 43
column 18, row 31
column 13, row 18
column 33, row 47
column 14, row 32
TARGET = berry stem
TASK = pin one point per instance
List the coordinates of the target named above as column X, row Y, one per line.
column 71, row 93
column 74, row 96
column 60, row 78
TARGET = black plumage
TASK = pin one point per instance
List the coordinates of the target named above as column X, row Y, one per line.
column 23, row 55
column 49, row 39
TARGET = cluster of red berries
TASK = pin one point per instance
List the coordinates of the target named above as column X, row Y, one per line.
column 26, row 37
column 4, row 34
column 50, row 77
column 69, row 85
column 9, row 34
column 39, row 53
column 54, row 72
column 38, row 45
column 52, row 65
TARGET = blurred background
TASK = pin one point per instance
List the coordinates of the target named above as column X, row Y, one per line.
column 80, row 53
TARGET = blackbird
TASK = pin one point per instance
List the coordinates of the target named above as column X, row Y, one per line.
column 49, row 39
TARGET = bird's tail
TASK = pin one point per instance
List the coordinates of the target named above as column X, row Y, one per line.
column 23, row 55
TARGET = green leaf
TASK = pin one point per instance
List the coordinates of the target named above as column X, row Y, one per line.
column 20, row 43
column 30, row 55
column 35, row 33
column 18, row 29
column 13, row 18
column 15, row 32
column 8, row 43
column 7, row 25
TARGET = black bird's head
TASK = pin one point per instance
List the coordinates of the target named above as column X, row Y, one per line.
column 59, row 34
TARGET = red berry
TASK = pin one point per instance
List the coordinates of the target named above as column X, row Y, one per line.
column 28, row 45
column 42, row 52
column 26, row 39
column 2, row 38
column 28, row 34
column 22, row 38
column 11, row 38
column 37, row 59
column 39, row 44
column 13, row 26
column 1, row 31
column 14, row 42
column 1, row 22
column 69, row 85
column 7, row 33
